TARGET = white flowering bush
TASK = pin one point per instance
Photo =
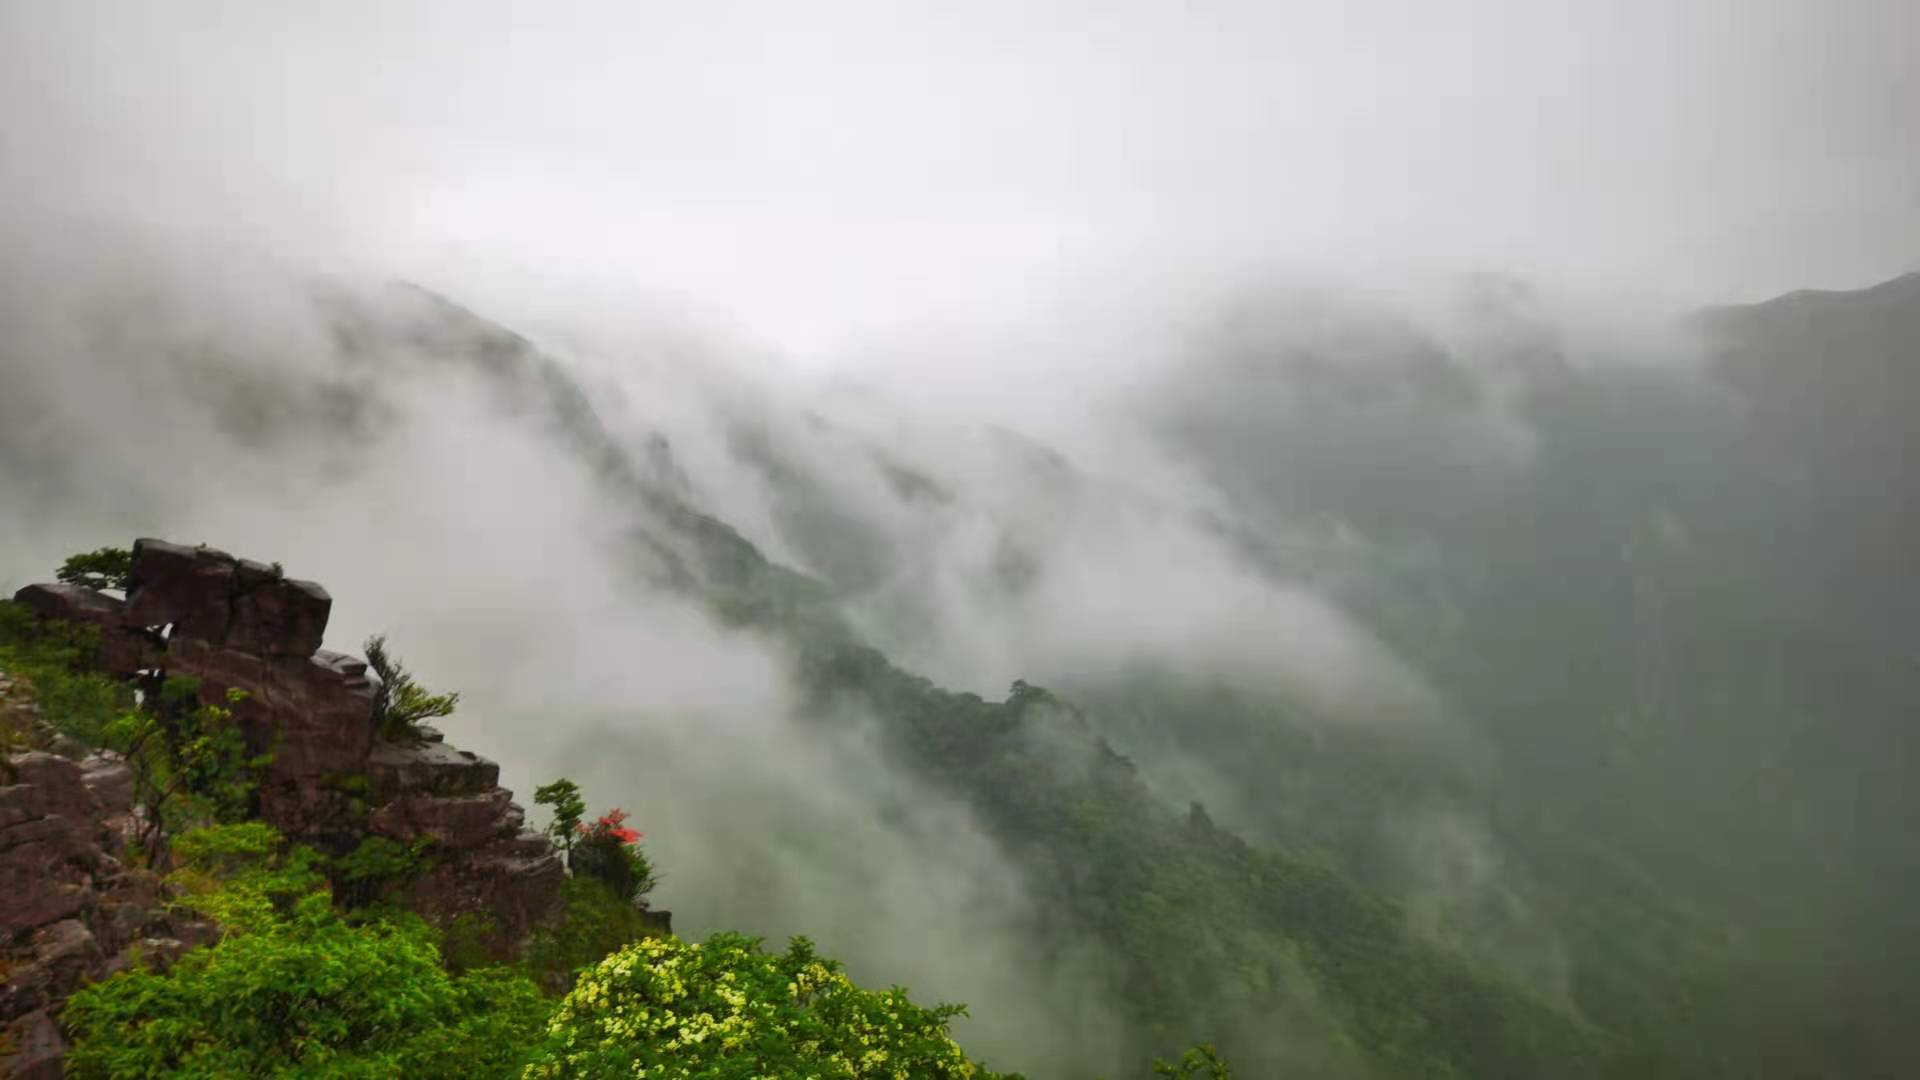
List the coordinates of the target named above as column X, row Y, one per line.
column 666, row 1008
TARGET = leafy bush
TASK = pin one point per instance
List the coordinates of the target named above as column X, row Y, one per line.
column 295, row 989
column 592, row 923
column 1199, row 1063
column 375, row 867
column 725, row 1009
column 306, row 994
column 242, row 875
column 472, row 940
column 191, row 765
column 57, row 658
column 607, row 851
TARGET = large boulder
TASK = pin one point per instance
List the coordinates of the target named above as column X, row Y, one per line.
column 70, row 913
column 188, row 588
column 212, row 597
column 274, row 615
column 74, row 603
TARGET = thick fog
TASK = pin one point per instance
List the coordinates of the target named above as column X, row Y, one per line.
column 815, row 174
column 1149, row 356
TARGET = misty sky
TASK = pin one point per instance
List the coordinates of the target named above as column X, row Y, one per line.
column 811, row 174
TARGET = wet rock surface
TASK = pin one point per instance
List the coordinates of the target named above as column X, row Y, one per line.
column 70, row 911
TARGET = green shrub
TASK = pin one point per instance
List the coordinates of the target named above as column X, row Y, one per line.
column 376, row 867
column 308, row 994
column 608, row 852
column 190, row 761
column 1199, row 1063
column 592, row 923
column 470, row 941
column 725, row 1009
column 242, row 876
column 56, row 658
column 294, row 989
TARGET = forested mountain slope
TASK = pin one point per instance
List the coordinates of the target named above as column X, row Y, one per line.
column 1283, row 961
column 1650, row 597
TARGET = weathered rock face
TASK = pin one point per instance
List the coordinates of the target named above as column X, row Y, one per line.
column 488, row 862
column 70, row 912
column 211, row 597
column 313, row 715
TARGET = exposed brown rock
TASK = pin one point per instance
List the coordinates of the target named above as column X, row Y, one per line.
column 279, row 617
column 43, row 877
column 50, row 785
column 67, row 952
column 210, row 596
column 38, row 1048
column 451, row 822
column 109, row 780
column 432, row 768
column 189, row 588
column 70, row 913
column 314, row 715
column 75, row 603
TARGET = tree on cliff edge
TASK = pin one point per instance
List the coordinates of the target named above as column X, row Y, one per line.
column 400, row 705
column 104, row 568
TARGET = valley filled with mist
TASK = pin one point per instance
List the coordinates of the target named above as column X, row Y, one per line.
column 1371, row 665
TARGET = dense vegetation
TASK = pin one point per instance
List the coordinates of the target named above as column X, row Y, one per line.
column 1672, row 628
column 1679, row 713
column 296, row 987
column 1217, row 940
column 723, row 1008
column 301, row 985
column 56, row 660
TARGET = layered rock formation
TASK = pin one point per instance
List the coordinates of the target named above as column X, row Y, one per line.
column 70, row 911
column 331, row 781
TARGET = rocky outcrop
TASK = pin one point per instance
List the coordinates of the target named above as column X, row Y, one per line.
column 211, row 597
column 230, row 624
column 238, row 625
column 70, row 911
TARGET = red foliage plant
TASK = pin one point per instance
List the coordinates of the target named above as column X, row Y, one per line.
column 612, row 824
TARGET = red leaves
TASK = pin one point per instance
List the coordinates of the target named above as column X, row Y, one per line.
column 611, row 824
